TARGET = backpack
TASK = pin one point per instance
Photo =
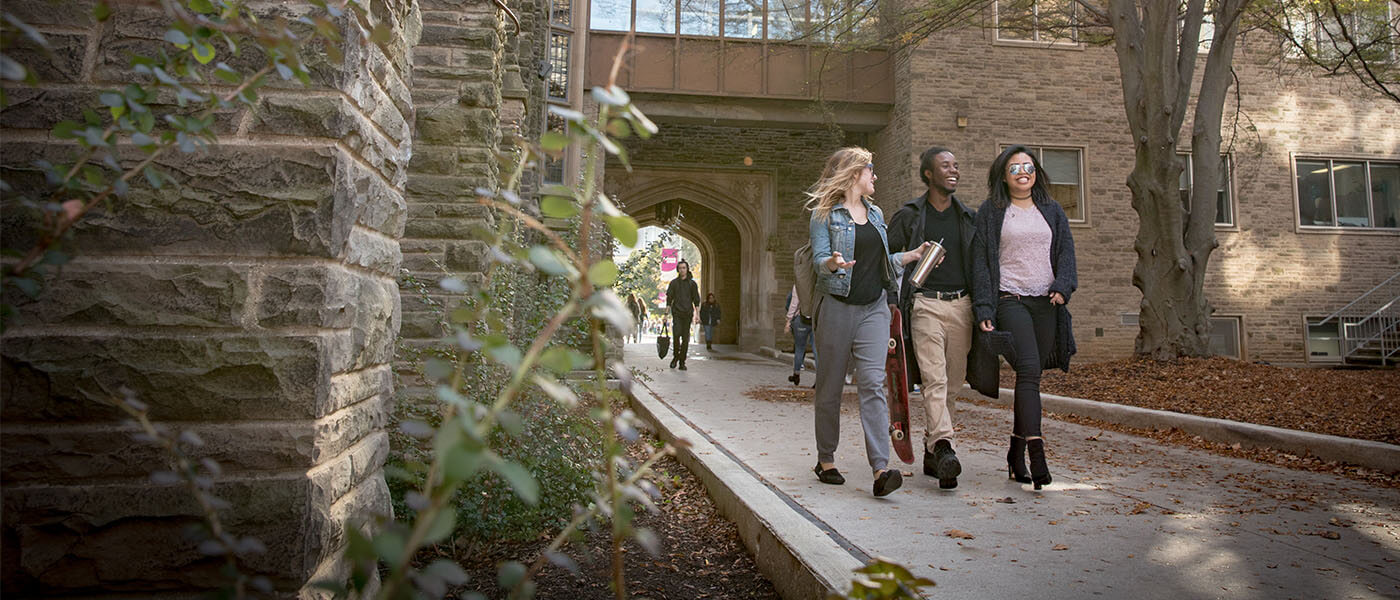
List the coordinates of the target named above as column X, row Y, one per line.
column 805, row 278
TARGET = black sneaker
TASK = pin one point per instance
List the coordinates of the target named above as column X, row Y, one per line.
column 674, row 361
column 887, row 482
column 682, row 366
column 945, row 465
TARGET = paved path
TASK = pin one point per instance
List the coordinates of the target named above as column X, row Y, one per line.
column 1126, row 516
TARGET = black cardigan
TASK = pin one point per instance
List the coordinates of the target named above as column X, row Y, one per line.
column 986, row 271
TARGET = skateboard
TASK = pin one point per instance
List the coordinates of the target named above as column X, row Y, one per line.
column 897, row 389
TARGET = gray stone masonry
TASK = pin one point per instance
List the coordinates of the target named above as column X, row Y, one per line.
column 254, row 303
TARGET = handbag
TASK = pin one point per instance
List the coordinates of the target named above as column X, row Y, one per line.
column 663, row 341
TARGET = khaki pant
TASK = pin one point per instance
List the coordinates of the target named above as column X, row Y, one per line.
column 942, row 331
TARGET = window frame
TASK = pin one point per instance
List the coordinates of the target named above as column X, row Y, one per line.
column 578, row 20
column 1336, row 227
column 1083, row 176
column 1307, row 343
column 1036, row 41
column 1238, row 319
column 1231, row 199
column 1309, row 29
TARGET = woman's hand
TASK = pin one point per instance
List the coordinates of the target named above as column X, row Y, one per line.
column 986, row 326
column 916, row 254
column 1056, row 298
column 787, row 326
column 835, row 262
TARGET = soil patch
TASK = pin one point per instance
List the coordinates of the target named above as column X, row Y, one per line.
column 700, row 552
column 1361, row 404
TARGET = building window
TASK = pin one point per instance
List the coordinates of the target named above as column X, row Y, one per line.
column 1224, row 205
column 610, row 15
column 1064, row 168
column 554, row 167
column 562, row 13
column 1044, row 21
column 700, row 17
column 1324, row 340
column 559, row 42
column 1356, row 30
column 1352, row 194
column 1225, row 337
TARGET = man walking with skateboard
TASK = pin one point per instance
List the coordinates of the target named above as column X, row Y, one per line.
column 939, row 312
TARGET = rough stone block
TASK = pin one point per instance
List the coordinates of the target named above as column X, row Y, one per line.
column 53, row 376
column 449, row 125
column 311, row 295
column 468, row 256
column 355, row 386
column 341, row 429
column 64, row 64
column 432, row 160
column 453, row 36
column 140, row 294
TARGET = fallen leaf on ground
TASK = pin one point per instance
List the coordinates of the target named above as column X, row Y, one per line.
column 958, row 533
column 1060, row 547
column 1007, row 500
column 1140, row 507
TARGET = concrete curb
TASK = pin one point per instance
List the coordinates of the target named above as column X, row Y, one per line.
column 801, row 560
column 1376, row 455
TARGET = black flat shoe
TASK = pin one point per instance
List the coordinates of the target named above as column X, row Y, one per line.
column 795, row 378
column 831, row 476
column 887, row 482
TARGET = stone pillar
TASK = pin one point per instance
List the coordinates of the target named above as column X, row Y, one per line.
column 254, row 303
column 457, row 89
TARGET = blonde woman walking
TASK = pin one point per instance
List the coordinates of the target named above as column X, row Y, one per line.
column 856, row 275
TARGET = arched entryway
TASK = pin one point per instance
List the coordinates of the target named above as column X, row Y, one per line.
column 730, row 217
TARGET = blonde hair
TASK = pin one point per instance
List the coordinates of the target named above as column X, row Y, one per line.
column 840, row 173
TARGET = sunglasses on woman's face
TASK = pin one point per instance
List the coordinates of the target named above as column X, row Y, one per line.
column 870, row 166
column 1020, row 168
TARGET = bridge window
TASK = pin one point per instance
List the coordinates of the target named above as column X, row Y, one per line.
column 610, row 15
column 700, row 17
column 1351, row 194
column 743, row 19
column 656, row 16
column 786, row 19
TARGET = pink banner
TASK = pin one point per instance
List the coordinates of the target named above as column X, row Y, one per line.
column 669, row 258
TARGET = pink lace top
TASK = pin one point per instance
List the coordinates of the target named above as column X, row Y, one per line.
column 1025, row 252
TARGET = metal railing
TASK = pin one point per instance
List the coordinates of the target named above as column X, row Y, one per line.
column 1368, row 328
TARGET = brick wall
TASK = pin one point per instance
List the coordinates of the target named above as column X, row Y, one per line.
column 1264, row 269
column 254, row 304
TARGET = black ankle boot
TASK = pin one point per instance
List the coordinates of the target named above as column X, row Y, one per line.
column 943, row 464
column 1040, row 474
column 1016, row 461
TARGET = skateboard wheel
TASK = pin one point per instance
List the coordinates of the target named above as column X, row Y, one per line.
column 898, row 435
column 892, row 344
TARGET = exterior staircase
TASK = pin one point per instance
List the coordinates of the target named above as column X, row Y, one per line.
column 1368, row 328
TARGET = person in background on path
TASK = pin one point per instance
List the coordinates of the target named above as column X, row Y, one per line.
column 709, row 317
column 639, row 311
column 682, row 296
column 855, row 276
column 938, row 318
column 802, row 336
column 1023, row 273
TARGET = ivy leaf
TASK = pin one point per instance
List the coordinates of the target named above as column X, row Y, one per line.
column 603, row 273
column 624, row 228
column 447, row 571
column 519, row 479
column 554, row 141
column 178, row 38
column 607, row 306
column 112, row 99
column 202, row 7
column 558, row 207
column 382, row 33
column 547, row 260
column 26, row 285
column 101, row 11
column 11, row 70
column 558, row 391
column 444, row 522
column 202, row 52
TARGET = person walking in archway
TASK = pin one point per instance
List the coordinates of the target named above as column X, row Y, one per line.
column 856, row 275
column 709, row 318
column 939, row 312
column 1023, row 273
column 682, row 296
column 638, row 310
column 802, row 337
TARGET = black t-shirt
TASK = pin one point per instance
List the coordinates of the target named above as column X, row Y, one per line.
column 948, row 277
column 866, row 279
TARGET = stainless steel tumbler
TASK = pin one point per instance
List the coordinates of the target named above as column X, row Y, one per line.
column 926, row 263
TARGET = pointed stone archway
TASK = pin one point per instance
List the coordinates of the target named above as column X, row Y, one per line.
column 742, row 198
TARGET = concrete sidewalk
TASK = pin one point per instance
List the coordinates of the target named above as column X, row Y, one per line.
column 1125, row 516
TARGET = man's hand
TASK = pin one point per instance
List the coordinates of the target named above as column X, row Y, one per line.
column 836, row 262
column 986, row 326
column 916, row 254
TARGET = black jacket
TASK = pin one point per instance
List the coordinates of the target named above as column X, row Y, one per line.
column 986, row 272
column 709, row 314
column 682, row 296
column 906, row 232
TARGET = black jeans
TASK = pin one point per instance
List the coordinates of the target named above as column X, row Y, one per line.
column 1031, row 321
column 680, row 334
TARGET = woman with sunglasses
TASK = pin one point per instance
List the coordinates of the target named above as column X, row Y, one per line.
column 1023, row 273
column 855, row 272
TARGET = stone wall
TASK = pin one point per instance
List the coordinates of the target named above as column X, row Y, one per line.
column 254, row 304
column 1266, row 270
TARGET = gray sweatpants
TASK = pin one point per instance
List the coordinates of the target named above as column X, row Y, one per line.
column 850, row 335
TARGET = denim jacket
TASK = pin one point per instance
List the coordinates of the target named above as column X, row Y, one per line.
column 838, row 234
